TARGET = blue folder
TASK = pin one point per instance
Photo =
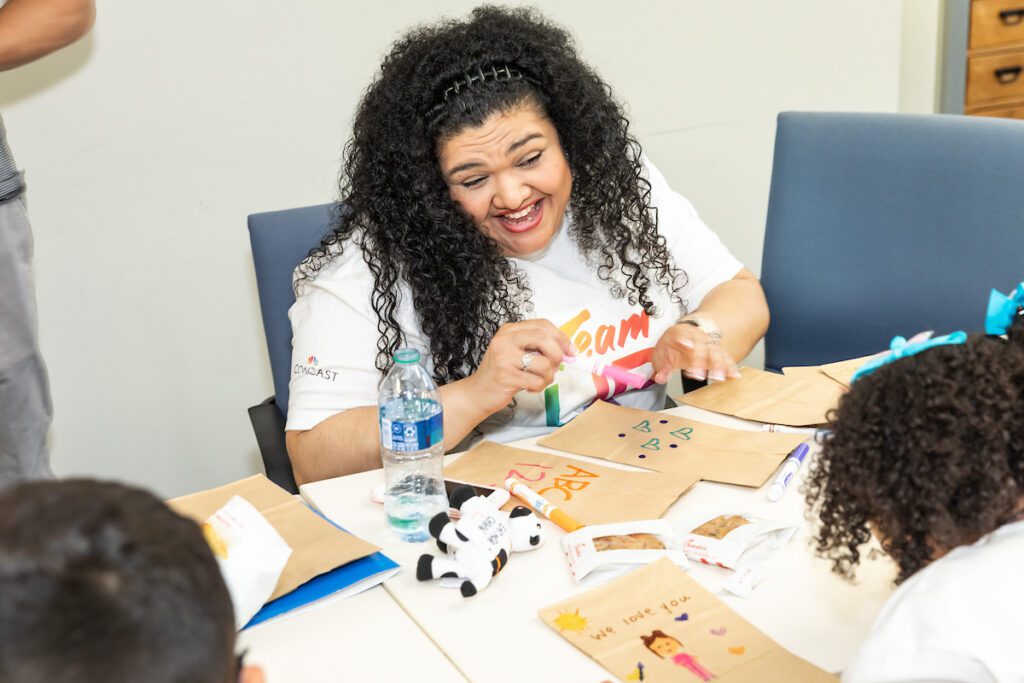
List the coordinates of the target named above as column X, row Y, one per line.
column 326, row 584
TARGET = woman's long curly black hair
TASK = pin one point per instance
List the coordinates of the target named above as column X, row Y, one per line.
column 928, row 450
column 397, row 207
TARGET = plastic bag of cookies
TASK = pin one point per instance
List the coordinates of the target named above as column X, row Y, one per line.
column 602, row 552
column 734, row 540
column 250, row 552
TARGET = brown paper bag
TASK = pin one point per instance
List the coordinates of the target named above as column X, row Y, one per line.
column 658, row 624
column 671, row 444
column 842, row 371
column 590, row 493
column 801, row 370
column 317, row 545
column 797, row 399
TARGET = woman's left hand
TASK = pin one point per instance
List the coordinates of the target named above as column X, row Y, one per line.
column 687, row 348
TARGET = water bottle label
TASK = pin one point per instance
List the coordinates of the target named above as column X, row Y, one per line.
column 406, row 437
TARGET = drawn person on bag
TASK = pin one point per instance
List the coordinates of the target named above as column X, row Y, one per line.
column 665, row 646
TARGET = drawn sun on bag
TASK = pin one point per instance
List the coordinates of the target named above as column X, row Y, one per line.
column 571, row 621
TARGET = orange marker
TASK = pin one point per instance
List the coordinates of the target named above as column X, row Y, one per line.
column 541, row 504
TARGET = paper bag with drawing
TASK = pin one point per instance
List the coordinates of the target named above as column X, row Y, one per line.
column 317, row 545
column 673, row 445
column 658, row 624
column 590, row 493
column 797, row 399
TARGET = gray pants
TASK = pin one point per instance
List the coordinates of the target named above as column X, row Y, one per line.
column 25, row 407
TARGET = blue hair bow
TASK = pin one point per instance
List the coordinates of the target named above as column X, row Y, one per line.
column 899, row 348
column 1002, row 309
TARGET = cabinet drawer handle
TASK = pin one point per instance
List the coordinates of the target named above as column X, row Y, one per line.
column 1011, row 17
column 1008, row 74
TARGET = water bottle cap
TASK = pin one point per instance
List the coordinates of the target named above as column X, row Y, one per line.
column 406, row 356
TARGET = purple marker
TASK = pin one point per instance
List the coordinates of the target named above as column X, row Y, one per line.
column 789, row 468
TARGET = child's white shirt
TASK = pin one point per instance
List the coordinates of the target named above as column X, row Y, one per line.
column 958, row 619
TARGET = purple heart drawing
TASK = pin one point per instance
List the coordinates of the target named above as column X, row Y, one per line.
column 718, row 631
column 683, row 617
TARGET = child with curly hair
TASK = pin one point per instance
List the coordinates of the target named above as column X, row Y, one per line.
column 927, row 455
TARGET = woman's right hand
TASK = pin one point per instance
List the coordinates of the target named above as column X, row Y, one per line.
column 524, row 355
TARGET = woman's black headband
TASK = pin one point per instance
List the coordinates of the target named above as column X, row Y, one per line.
column 482, row 75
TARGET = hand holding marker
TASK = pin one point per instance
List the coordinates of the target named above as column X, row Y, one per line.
column 606, row 370
column 789, row 468
column 541, row 504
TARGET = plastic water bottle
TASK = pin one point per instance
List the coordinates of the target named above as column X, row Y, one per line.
column 412, row 447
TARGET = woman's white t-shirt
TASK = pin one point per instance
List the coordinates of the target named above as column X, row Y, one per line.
column 334, row 327
column 958, row 619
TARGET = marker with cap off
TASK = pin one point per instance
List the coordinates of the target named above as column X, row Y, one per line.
column 541, row 504
column 789, row 468
column 607, row 370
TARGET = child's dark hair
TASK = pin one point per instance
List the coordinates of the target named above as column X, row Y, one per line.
column 104, row 582
column 927, row 450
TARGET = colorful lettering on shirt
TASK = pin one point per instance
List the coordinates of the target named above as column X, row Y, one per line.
column 606, row 339
column 552, row 406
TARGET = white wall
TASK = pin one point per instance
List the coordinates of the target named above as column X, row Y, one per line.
column 147, row 144
column 921, row 56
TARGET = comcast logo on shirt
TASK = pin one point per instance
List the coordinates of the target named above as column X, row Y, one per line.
column 311, row 368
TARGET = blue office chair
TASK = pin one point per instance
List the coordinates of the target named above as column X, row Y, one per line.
column 886, row 224
column 280, row 240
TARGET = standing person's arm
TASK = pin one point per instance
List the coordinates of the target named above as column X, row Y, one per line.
column 30, row 29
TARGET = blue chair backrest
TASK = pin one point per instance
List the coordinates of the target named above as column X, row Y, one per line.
column 886, row 224
column 280, row 241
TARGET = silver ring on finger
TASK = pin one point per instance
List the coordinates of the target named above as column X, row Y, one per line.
column 527, row 358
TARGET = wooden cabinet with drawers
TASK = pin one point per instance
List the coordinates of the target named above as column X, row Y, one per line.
column 995, row 59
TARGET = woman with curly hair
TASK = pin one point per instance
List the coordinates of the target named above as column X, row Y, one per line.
column 927, row 454
column 499, row 215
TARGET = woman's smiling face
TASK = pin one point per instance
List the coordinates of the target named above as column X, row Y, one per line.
column 511, row 177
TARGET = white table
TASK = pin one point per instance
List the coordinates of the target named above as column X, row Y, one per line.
column 497, row 636
column 367, row 637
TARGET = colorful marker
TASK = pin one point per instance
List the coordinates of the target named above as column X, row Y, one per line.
column 786, row 429
column 789, row 468
column 816, row 432
column 541, row 504
column 607, row 370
